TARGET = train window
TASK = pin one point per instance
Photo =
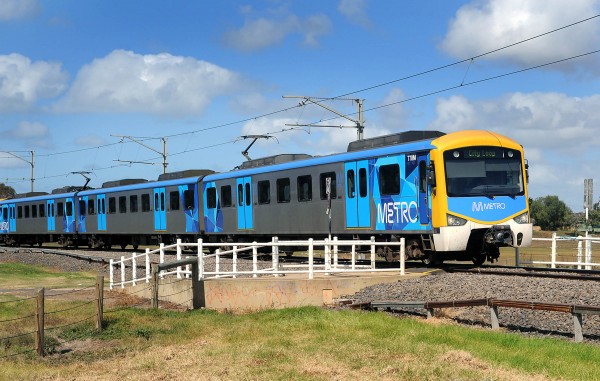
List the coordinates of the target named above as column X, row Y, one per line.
column 50, row 210
column 5, row 214
column 112, row 205
column 248, row 194
column 33, row 211
column 264, row 191
column 226, row 196
column 122, row 204
column 350, row 183
column 304, row 188
column 145, row 202
column 69, row 209
column 19, row 211
column 283, row 190
column 422, row 176
column 42, row 210
column 26, row 211
column 174, row 200
column 133, row 203
column 82, row 207
column 188, row 199
column 362, row 182
column 211, row 197
column 91, row 207
column 323, row 185
column 389, row 179
column 240, row 195
column 162, row 201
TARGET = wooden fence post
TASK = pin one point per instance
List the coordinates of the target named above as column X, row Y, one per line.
column 154, row 285
column 39, row 337
column 99, row 301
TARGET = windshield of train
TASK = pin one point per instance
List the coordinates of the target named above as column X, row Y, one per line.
column 483, row 171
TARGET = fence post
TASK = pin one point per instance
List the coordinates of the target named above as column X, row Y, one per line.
column 217, row 262
column 327, row 258
column 147, row 265
column 588, row 251
column 111, row 271
column 122, row 271
column 133, row 269
column 578, row 327
column 579, row 252
column 39, row 337
column 200, row 260
column 254, row 260
column 553, row 261
column 178, row 257
column 372, row 253
column 353, row 257
column 161, row 257
column 154, row 285
column 335, row 252
column 311, row 259
column 402, row 254
column 234, row 267
column 99, row 301
column 275, row 254
column 494, row 317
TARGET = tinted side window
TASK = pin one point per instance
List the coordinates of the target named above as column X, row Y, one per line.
column 188, row 199
column 91, row 207
column 174, row 200
column 145, row 202
column 350, row 184
column 112, row 205
column 389, row 179
column 264, row 192
column 304, row 188
column 226, row 196
column 362, row 182
column 133, row 203
column 283, row 190
column 60, row 211
column 33, row 211
column 69, row 208
column 26, row 211
column 82, row 207
column 211, row 198
column 42, row 210
column 323, row 185
column 19, row 211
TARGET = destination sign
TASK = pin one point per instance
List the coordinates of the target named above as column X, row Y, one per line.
column 479, row 153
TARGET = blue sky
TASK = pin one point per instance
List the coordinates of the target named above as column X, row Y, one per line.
column 202, row 74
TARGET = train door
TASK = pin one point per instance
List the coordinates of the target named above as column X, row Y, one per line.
column 12, row 218
column 50, row 215
column 101, row 211
column 423, row 202
column 4, row 221
column 244, row 203
column 81, row 216
column 358, row 205
column 160, row 211
column 69, row 215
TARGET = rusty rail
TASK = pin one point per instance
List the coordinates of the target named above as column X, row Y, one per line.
column 577, row 311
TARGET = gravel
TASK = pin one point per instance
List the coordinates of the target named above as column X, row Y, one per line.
column 460, row 286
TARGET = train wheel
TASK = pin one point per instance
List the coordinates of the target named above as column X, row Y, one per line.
column 135, row 247
column 123, row 246
column 478, row 259
column 429, row 260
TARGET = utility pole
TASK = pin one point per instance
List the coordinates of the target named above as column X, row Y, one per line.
column 359, row 123
column 163, row 153
column 32, row 163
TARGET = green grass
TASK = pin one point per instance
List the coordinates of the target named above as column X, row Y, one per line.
column 18, row 275
column 308, row 344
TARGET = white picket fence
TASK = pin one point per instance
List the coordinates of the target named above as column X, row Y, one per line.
column 331, row 264
column 582, row 258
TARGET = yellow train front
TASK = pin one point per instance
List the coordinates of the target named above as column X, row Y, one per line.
column 479, row 199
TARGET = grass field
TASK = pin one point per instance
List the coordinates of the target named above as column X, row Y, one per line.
column 299, row 344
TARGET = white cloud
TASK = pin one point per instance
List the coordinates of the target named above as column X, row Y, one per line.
column 560, row 134
column 34, row 134
column 18, row 9
column 354, row 10
column 90, row 141
column 262, row 32
column 22, row 82
column 124, row 81
column 483, row 26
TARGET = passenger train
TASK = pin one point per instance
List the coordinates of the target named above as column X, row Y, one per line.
column 461, row 196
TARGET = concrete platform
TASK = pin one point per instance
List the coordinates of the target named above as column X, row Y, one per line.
column 250, row 294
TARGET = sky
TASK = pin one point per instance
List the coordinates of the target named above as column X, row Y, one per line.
column 98, row 86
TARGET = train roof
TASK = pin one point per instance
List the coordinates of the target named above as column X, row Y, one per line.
column 145, row 185
column 415, row 146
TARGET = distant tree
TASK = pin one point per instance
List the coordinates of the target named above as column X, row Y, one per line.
column 550, row 213
column 6, row 191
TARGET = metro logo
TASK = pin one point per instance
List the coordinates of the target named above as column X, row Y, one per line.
column 397, row 212
column 481, row 206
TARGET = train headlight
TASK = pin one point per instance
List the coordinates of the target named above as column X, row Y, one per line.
column 522, row 218
column 455, row 221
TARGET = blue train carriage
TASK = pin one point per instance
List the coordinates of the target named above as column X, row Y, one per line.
column 37, row 217
column 137, row 212
column 478, row 196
